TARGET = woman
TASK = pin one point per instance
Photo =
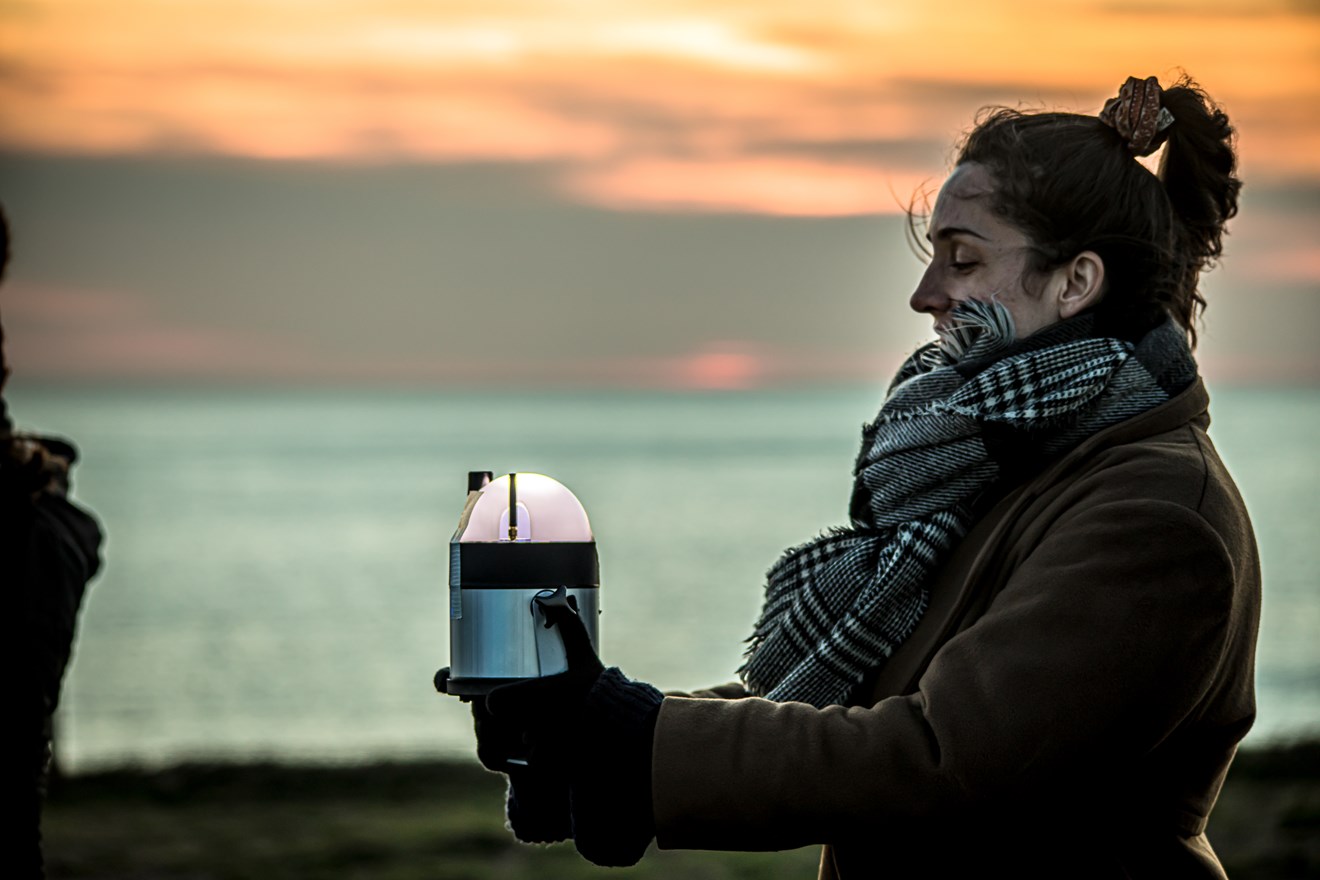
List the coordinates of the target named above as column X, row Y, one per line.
column 49, row 552
column 1033, row 649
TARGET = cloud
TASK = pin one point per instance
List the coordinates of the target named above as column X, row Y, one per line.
column 785, row 186
column 1297, row 265
column 486, row 273
column 58, row 333
column 594, row 175
column 417, row 272
column 1231, row 9
column 64, row 306
column 660, row 80
column 61, row 332
column 732, row 365
column 1276, row 238
column 874, row 152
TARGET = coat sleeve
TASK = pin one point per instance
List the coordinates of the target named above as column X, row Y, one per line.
column 733, row 690
column 1101, row 641
column 58, row 555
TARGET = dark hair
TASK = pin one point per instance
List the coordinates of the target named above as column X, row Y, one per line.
column 4, row 366
column 25, row 467
column 1071, row 184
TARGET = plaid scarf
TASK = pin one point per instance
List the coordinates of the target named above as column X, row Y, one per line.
column 974, row 412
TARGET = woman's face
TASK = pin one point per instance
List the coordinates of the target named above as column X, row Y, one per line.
column 979, row 255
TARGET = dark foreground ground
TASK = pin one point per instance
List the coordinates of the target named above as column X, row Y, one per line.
column 444, row 821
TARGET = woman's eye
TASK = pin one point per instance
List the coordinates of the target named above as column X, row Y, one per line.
column 962, row 265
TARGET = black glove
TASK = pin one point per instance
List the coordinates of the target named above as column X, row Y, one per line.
column 537, row 801
column 599, row 726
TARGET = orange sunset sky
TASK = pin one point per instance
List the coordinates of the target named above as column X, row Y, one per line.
column 656, row 192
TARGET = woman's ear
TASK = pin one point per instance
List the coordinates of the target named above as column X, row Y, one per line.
column 1079, row 283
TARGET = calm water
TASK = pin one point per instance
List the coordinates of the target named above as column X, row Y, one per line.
column 276, row 563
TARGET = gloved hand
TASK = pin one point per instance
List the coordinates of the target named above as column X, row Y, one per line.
column 536, row 804
column 599, row 726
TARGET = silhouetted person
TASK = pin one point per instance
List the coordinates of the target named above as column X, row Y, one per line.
column 48, row 553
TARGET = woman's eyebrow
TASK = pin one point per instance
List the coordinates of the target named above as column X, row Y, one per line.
column 950, row 231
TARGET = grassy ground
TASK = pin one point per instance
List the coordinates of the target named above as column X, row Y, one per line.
column 444, row 821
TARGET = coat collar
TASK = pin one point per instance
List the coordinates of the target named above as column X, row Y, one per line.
column 958, row 582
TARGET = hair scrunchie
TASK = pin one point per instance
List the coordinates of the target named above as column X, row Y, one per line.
column 1137, row 116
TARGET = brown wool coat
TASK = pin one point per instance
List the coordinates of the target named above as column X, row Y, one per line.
column 1068, row 706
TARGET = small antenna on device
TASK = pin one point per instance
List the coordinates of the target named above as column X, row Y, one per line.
column 513, row 507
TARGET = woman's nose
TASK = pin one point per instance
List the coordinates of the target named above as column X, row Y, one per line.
column 928, row 297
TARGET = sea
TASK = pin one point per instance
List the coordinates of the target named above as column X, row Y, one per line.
column 275, row 580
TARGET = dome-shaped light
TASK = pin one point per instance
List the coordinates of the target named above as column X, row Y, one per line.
column 547, row 511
